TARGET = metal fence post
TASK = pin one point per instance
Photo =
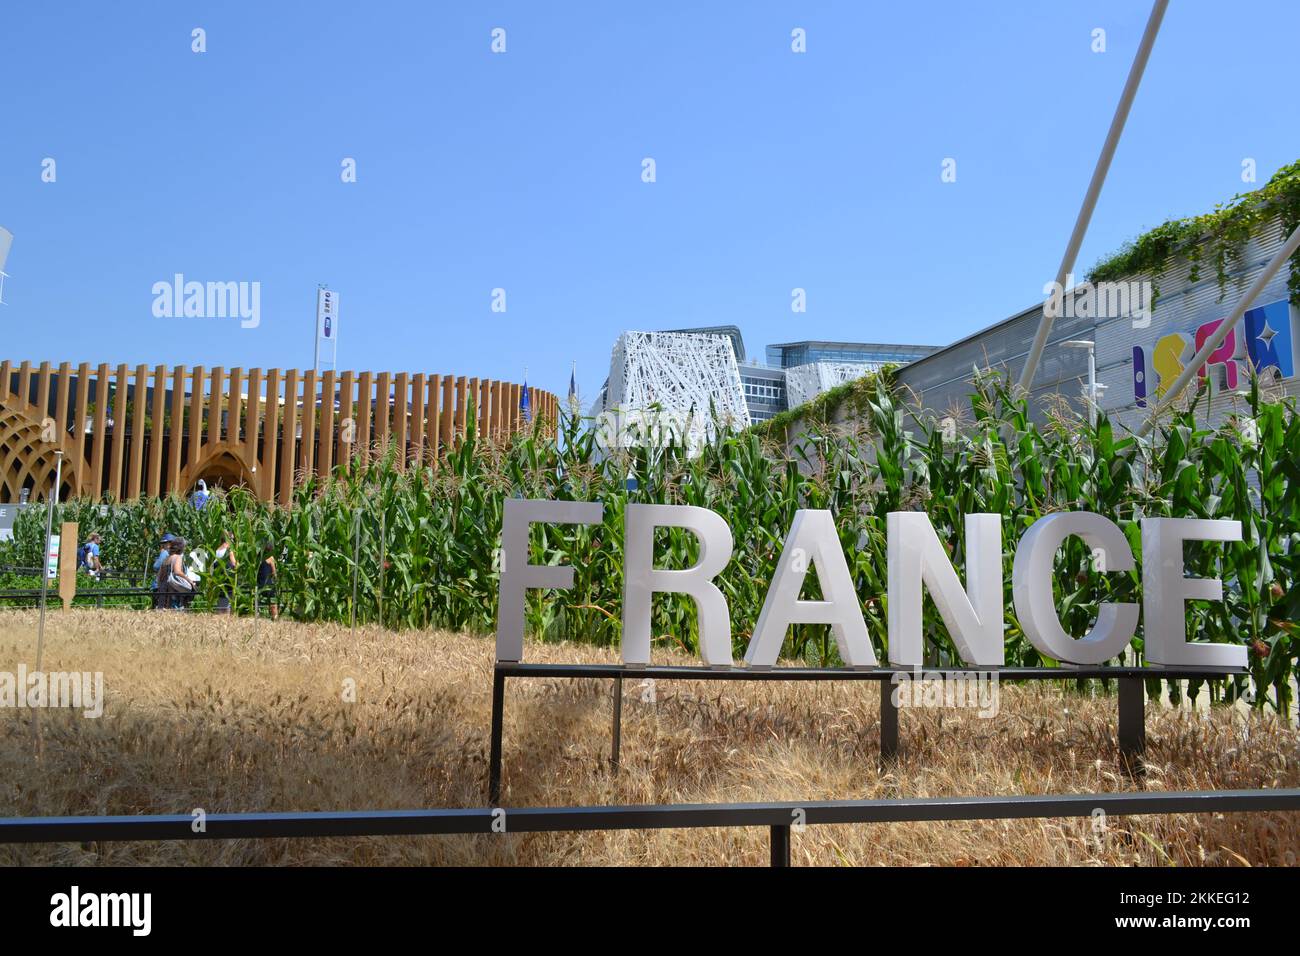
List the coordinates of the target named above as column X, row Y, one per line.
column 889, row 749
column 494, row 754
column 781, row 845
column 1132, row 724
column 615, row 751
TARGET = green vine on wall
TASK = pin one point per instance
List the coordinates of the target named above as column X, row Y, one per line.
column 1219, row 237
column 851, row 395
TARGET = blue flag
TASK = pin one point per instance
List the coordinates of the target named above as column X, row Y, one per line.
column 525, row 407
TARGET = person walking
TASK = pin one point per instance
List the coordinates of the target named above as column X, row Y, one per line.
column 174, row 586
column 267, row 572
column 88, row 557
column 160, row 599
column 224, row 567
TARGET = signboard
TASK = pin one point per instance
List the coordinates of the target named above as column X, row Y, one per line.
column 327, row 326
column 917, row 563
column 68, row 564
column 1267, row 339
column 52, row 558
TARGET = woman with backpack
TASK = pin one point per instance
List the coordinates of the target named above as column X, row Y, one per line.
column 88, row 556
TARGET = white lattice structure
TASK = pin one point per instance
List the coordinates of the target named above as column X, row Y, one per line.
column 803, row 383
column 670, row 386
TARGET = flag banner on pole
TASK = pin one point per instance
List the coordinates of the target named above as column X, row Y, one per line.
column 525, row 407
column 327, row 327
column 327, row 313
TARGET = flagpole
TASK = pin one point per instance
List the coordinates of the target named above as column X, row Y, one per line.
column 315, row 332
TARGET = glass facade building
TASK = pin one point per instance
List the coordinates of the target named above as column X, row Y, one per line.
column 792, row 354
column 764, row 389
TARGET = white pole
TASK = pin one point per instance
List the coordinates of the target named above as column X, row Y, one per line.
column 1092, row 386
column 315, row 332
column 1094, row 187
column 356, row 557
column 45, row 571
column 334, row 336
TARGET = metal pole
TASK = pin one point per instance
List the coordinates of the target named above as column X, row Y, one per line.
column 780, row 846
column 257, row 600
column 1199, row 359
column 37, row 740
column 356, row 557
column 888, row 724
column 1132, row 724
column 315, row 333
column 334, row 337
column 617, row 744
column 585, row 819
column 1092, row 386
column 498, row 720
column 1094, row 187
column 383, row 556
column 45, row 571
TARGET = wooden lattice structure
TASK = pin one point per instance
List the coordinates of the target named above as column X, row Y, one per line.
column 151, row 431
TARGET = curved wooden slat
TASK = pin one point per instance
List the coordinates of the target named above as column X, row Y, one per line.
column 258, row 445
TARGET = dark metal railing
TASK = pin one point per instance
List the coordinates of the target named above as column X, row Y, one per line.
column 782, row 819
column 1130, row 700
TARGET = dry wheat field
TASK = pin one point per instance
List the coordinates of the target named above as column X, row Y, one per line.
column 241, row 715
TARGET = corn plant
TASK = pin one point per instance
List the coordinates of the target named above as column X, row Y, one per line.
column 418, row 546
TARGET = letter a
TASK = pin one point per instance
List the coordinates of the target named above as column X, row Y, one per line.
column 812, row 540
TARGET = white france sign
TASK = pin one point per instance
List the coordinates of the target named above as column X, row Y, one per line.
column 973, row 614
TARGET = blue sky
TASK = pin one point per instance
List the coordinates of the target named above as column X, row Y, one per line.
column 522, row 170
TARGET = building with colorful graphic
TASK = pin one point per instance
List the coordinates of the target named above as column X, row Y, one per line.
column 1139, row 349
column 1264, row 342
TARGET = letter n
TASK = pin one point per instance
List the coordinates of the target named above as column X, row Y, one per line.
column 973, row 616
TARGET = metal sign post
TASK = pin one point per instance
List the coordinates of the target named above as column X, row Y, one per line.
column 356, row 557
column 49, row 529
column 1130, row 700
